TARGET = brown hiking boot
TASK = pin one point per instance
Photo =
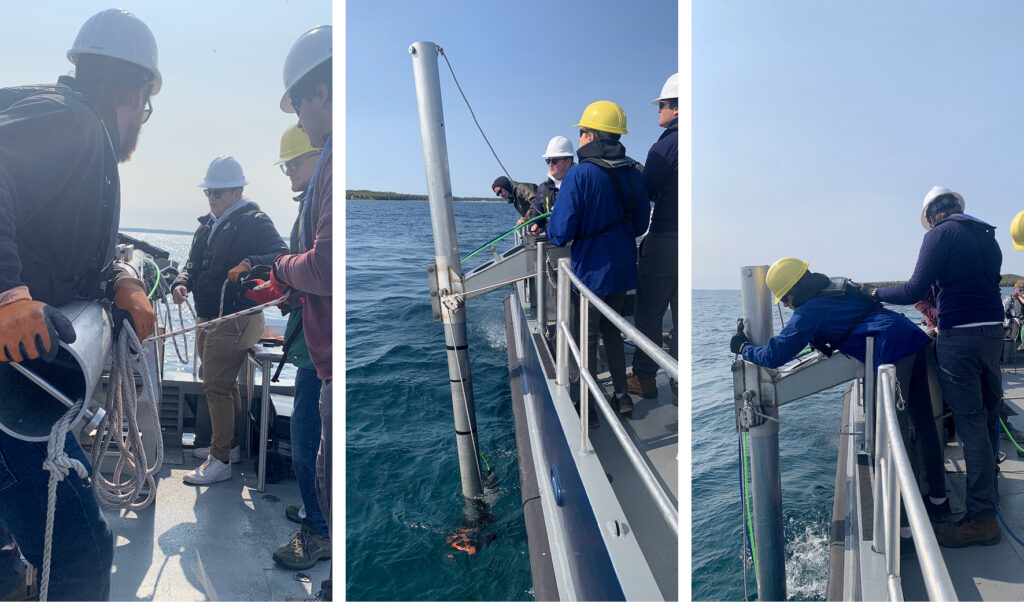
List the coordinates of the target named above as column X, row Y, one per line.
column 304, row 550
column 644, row 386
column 967, row 532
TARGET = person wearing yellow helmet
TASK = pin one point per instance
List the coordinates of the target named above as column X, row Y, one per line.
column 602, row 207
column 832, row 315
column 960, row 255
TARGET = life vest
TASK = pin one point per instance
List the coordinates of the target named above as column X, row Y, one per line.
column 611, row 168
column 985, row 236
column 840, row 287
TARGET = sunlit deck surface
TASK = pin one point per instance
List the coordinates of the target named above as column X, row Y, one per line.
column 209, row 542
column 985, row 572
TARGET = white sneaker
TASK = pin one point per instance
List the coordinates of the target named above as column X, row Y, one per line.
column 212, row 471
column 235, row 456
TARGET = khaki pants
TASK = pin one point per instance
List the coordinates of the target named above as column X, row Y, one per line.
column 222, row 350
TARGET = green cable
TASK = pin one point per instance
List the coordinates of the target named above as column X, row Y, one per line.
column 1005, row 428
column 159, row 277
column 486, row 465
column 746, row 501
column 522, row 225
column 803, row 353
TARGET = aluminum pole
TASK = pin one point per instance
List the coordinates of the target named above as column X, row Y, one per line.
column 869, row 396
column 446, row 250
column 562, row 344
column 769, row 539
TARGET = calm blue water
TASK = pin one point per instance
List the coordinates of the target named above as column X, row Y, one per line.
column 808, row 462
column 402, row 478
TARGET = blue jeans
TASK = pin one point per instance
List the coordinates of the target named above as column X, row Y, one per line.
column 973, row 388
column 305, row 433
column 83, row 546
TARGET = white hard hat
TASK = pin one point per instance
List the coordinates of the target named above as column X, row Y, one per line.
column 224, row 172
column 670, row 89
column 559, row 146
column 311, row 49
column 930, row 198
column 121, row 35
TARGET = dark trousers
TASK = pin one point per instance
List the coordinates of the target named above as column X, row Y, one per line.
column 597, row 325
column 305, row 433
column 923, row 448
column 83, row 546
column 973, row 388
column 656, row 291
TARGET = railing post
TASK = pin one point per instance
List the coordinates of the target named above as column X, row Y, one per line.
column 584, row 368
column 769, row 537
column 869, row 396
column 561, row 345
column 881, row 461
column 542, row 318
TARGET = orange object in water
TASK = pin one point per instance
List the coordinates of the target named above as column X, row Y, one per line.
column 460, row 540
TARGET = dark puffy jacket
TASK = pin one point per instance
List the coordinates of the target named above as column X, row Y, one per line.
column 661, row 177
column 246, row 234
column 60, row 197
column 523, row 194
column 601, row 223
column 827, row 319
column 544, row 201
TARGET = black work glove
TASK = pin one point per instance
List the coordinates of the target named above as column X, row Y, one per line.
column 739, row 340
column 868, row 293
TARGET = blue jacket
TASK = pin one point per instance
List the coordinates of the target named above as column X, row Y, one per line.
column 967, row 274
column 828, row 318
column 587, row 203
column 60, row 197
column 661, row 177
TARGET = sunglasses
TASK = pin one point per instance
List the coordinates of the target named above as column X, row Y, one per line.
column 295, row 105
column 664, row 104
column 551, row 160
column 216, row 194
column 147, row 111
column 291, row 165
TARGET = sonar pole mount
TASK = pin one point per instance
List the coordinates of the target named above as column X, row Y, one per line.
column 448, row 269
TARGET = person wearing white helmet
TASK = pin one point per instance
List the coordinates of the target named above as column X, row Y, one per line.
column 657, row 286
column 960, row 255
column 308, row 93
column 559, row 156
column 232, row 238
column 298, row 160
column 60, row 146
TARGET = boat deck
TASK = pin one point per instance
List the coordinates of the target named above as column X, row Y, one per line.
column 210, row 542
column 979, row 572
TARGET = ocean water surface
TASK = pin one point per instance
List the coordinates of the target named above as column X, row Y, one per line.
column 403, row 489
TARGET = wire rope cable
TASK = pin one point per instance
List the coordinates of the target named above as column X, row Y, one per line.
column 441, row 52
column 805, row 428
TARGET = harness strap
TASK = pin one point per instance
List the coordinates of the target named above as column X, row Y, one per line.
column 626, row 205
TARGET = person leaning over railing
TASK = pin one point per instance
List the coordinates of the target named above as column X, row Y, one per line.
column 960, row 254
column 831, row 314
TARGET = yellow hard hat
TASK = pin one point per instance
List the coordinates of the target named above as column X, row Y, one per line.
column 783, row 274
column 1017, row 232
column 294, row 143
column 603, row 115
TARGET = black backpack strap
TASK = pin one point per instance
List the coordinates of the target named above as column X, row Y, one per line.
column 284, row 350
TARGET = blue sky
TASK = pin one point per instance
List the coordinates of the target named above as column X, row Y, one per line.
column 221, row 64
column 818, row 127
column 528, row 68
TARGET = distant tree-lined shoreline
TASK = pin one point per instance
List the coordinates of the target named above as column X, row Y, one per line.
column 377, row 195
column 1007, row 280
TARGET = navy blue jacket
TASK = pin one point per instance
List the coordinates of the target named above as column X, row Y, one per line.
column 661, row 177
column 59, row 194
column 828, row 318
column 247, row 234
column 587, row 203
column 968, row 287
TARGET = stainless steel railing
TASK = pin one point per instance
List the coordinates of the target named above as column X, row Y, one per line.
column 566, row 345
column 894, row 479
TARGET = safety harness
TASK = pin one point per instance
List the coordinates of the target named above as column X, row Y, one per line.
column 839, row 287
column 626, row 203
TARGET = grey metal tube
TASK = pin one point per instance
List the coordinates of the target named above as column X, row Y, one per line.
column 449, row 270
column 261, row 480
column 869, row 396
column 933, row 567
column 766, row 477
column 542, row 318
column 561, row 347
column 653, row 351
column 584, row 364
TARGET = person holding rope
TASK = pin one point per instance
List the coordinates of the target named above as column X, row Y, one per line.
column 298, row 161
column 602, row 207
column 830, row 315
column 231, row 239
column 60, row 146
column 519, row 194
column 559, row 158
